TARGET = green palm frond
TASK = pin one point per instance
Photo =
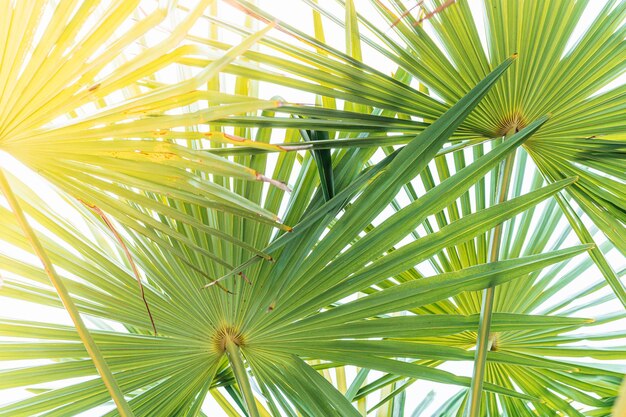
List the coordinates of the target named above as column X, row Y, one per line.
column 509, row 179
column 262, row 326
column 584, row 137
column 84, row 103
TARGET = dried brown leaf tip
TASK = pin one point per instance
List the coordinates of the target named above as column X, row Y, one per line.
column 425, row 15
column 279, row 184
column 245, row 277
column 217, row 283
column 405, row 14
column 437, row 10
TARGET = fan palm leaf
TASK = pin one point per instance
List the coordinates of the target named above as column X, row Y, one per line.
column 260, row 324
column 85, row 105
column 82, row 105
column 263, row 323
column 584, row 135
column 264, row 342
column 445, row 61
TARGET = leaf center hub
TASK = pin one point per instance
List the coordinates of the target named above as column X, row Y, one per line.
column 511, row 124
column 225, row 334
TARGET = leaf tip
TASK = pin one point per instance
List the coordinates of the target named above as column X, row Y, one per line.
column 281, row 185
column 589, row 246
column 245, row 278
column 283, row 227
column 568, row 181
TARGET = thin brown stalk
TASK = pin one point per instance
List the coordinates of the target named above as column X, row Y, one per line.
column 133, row 266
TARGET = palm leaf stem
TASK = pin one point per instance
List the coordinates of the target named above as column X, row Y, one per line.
column 70, row 307
column 483, row 342
column 239, row 369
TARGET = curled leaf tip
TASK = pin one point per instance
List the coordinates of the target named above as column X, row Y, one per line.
column 234, row 137
column 569, row 180
column 245, row 277
column 274, row 182
column 89, row 205
column 515, row 55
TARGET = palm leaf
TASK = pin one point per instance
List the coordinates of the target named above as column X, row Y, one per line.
column 584, row 127
column 401, row 246
column 99, row 132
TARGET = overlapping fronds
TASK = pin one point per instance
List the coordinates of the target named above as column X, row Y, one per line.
column 93, row 99
column 565, row 69
column 292, row 311
column 511, row 151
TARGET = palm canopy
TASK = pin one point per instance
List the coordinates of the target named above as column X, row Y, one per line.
column 558, row 74
column 92, row 99
column 263, row 322
column 300, row 314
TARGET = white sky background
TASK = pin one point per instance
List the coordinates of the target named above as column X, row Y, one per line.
column 291, row 11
